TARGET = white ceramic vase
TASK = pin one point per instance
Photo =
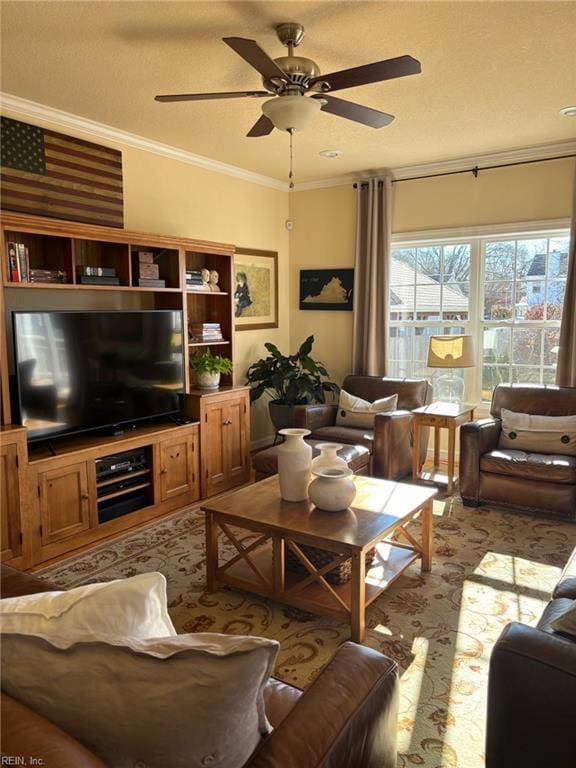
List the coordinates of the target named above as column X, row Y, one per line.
column 294, row 461
column 208, row 380
column 328, row 456
column 332, row 489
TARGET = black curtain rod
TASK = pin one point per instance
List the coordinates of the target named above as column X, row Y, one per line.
column 475, row 170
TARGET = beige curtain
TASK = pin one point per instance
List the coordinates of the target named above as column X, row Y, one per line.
column 372, row 268
column 566, row 370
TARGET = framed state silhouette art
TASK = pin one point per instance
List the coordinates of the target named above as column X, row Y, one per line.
column 331, row 289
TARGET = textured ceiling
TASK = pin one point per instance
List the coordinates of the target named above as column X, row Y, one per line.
column 494, row 75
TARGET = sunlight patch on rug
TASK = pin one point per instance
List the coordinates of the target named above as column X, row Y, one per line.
column 490, row 567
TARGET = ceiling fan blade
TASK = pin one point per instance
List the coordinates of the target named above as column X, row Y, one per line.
column 351, row 111
column 205, row 96
column 262, row 127
column 256, row 57
column 370, row 73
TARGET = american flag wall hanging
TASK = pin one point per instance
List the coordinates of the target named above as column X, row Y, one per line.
column 50, row 174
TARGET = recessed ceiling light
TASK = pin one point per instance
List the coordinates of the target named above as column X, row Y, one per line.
column 568, row 111
column 331, row 153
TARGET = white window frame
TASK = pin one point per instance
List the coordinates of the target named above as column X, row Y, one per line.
column 477, row 237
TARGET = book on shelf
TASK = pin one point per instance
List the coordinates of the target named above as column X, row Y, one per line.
column 12, row 254
column 48, row 276
column 91, row 271
column 148, row 282
column 23, row 262
column 98, row 280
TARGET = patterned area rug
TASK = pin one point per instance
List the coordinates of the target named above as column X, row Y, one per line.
column 490, row 567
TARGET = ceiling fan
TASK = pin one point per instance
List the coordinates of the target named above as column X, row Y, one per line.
column 299, row 90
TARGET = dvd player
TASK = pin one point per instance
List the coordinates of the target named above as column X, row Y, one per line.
column 121, row 463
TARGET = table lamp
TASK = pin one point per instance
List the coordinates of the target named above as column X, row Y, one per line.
column 450, row 352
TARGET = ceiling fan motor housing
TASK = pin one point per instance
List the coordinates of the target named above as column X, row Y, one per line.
column 299, row 71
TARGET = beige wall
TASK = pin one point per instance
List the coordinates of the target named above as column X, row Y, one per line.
column 325, row 220
column 171, row 197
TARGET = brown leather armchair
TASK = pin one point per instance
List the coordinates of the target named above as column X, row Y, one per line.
column 531, row 482
column 532, row 690
column 347, row 717
column 390, row 442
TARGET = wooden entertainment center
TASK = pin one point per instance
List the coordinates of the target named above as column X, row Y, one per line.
column 53, row 497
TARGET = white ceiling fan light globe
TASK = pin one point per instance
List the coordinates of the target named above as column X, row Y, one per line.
column 292, row 113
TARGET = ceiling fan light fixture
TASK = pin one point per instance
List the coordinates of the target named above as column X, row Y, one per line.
column 292, row 112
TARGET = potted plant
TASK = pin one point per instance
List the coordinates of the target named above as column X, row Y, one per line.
column 289, row 380
column 208, row 368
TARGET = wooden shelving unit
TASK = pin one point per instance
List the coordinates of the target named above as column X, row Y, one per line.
column 68, row 246
column 51, row 502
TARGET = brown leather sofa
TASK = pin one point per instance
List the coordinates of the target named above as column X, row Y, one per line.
column 390, row 442
column 347, row 718
column 531, row 482
column 532, row 690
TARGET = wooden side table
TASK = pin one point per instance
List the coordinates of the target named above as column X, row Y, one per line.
column 439, row 415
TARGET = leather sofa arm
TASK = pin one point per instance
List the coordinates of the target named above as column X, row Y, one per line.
column 392, row 450
column 476, row 438
column 531, row 700
column 315, row 416
column 347, row 718
column 25, row 734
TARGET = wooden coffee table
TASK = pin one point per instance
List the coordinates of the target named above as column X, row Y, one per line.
column 381, row 510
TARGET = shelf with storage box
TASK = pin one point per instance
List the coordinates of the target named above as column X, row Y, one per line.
column 210, row 313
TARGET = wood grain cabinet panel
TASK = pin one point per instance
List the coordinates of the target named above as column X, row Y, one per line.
column 178, row 471
column 224, row 417
column 65, row 503
column 236, row 443
column 10, row 543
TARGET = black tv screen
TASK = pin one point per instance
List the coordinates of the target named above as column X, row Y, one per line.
column 80, row 371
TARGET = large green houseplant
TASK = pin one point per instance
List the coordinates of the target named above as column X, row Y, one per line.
column 289, row 380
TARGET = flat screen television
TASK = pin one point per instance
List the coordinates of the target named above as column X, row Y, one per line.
column 80, row 371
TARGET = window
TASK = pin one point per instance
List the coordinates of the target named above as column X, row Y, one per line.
column 507, row 292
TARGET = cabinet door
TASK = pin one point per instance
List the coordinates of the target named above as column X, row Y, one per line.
column 64, row 502
column 9, row 503
column 177, row 458
column 235, row 435
column 214, row 462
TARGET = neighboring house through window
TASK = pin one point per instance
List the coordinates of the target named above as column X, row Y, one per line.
column 507, row 292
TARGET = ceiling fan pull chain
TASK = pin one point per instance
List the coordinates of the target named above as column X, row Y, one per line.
column 291, row 174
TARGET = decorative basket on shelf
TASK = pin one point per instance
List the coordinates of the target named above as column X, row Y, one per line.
column 340, row 574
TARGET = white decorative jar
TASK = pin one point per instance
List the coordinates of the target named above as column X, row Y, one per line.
column 333, row 488
column 328, row 456
column 294, row 462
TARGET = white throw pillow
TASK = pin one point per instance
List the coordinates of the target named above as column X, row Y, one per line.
column 566, row 622
column 355, row 412
column 174, row 702
column 135, row 607
column 538, row 434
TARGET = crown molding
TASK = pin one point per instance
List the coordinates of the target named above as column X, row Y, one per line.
column 540, row 152
column 32, row 109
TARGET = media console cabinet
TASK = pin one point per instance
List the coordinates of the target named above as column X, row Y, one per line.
column 52, row 502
